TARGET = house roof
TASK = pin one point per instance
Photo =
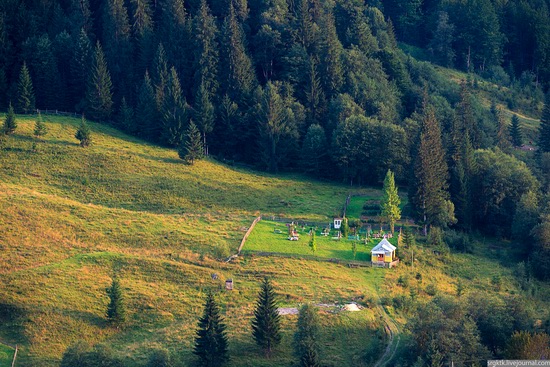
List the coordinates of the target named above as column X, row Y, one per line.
column 383, row 247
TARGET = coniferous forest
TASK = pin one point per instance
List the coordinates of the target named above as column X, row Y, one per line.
column 341, row 90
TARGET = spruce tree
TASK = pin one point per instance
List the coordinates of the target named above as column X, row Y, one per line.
column 211, row 339
column 191, row 148
column 10, row 123
column 25, row 91
column 116, row 310
column 390, row 200
column 503, row 133
column 515, row 132
column 83, row 133
column 126, row 117
column 174, row 111
column 40, row 128
column 431, row 174
column 236, row 72
column 266, row 323
column 99, row 95
column 204, row 113
column 206, row 54
column 544, row 129
column 80, row 65
column 147, row 121
column 332, row 76
column 306, row 338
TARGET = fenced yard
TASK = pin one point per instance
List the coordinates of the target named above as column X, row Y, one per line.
column 272, row 237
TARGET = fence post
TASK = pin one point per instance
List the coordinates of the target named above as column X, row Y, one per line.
column 14, row 356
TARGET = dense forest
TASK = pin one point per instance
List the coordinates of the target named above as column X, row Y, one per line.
column 319, row 86
column 341, row 90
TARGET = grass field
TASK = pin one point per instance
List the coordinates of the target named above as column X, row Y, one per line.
column 72, row 217
column 266, row 238
column 6, row 355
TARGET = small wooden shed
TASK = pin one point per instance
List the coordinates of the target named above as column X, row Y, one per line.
column 383, row 254
column 337, row 222
column 229, row 284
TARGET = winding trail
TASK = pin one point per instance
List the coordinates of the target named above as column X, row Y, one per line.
column 394, row 337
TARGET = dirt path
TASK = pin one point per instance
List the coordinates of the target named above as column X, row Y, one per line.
column 394, row 337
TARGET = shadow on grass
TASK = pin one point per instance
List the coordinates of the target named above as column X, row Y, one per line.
column 12, row 319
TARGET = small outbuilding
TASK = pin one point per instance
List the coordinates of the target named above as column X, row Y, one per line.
column 229, row 284
column 383, row 255
column 337, row 223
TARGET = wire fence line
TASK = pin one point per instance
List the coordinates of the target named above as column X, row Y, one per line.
column 58, row 113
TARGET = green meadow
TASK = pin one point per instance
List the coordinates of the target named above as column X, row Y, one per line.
column 71, row 217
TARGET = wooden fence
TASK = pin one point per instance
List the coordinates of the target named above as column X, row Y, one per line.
column 14, row 356
column 59, row 113
column 248, row 234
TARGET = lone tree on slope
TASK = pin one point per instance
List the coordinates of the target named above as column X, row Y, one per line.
column 266, row 323
column 211, row 340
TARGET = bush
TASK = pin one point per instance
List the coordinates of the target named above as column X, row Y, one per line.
column 431, row 290
column 459, row 241
column 221, row 251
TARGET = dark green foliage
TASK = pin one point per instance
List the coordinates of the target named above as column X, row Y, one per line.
column 126, row 117
column 306, row 338
column 431, row 174
column 40, row 128
column 10, row 123
column 266, row 323
column 191, row 149
column 441, row 44
column 148, row 124
column 503, row 138
column 541, row 254
column 203, row 112
column 206, row 49
column 544, row 129
column 314, row 155
column 80, row 65
column 515, row 132
column 159, row 358
column 81, row 354
column 116, row 310
column 444, row 332
column 499, row 182
column 99, row 95
column 83, row 133
column 277, row 124
column 211, row 339
column 173, row 111
column 25, row 91
column 390, row 200
column 237, row 75
column 526, row 218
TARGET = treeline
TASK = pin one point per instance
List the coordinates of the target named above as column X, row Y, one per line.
column 491, row 37
column 312, row 85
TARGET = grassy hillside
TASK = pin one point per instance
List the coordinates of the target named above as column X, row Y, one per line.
column 70, row 217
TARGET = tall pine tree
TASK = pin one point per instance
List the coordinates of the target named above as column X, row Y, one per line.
column 515, row 132
column 390, row 200
column 204, row 113
column 99, row 95
column 306, row 338
column 237, row 74
column 544, row 129
column 503, row 133
column 25, row 91
column 173, row 111
column 431, row 174
column 148, row 124
column 266, row 325
column 80, row 65
column 211, row 339
column 206, row 54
